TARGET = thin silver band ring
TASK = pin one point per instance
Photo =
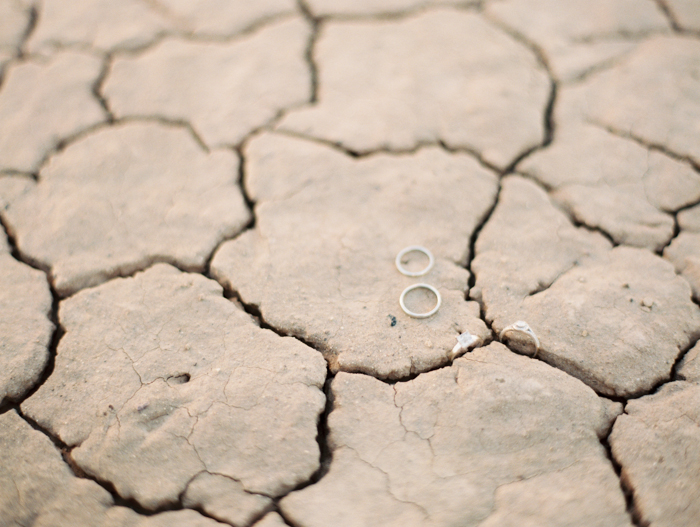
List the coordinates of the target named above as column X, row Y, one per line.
column 416, row 248
column 420, row 315
column 523, row 328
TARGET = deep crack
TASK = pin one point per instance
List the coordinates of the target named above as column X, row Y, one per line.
column 309, row 52
column 626, row 490
column 57, row 333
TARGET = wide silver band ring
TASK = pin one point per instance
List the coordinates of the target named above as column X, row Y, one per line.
column 420, row 315
column 416, row 248
column 523, row 328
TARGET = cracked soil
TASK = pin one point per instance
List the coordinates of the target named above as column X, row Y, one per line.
column 201, row 203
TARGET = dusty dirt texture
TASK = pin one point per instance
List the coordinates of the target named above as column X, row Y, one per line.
column 580, row 36
column 224, row 90
column 341, row 293
column 378, row 89
column 43, row 103
column 655, row 441
column 45, row 493
column 201, row 203
column 122, row 198
column 159, row 378
column 684, row 251
column 615, row 185
column 533, row 265
column 451, row 446
column 225, row 499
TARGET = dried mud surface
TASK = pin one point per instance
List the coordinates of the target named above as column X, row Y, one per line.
column 201, row 207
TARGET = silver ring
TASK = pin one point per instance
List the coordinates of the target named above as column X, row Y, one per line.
column 420, row 315
column 419, row 249
column 525, row 329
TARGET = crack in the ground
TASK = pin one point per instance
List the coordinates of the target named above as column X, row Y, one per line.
column 472, row 280
column 570, row 215
column 397, row 14
column 472, row 254
column 618, row 35
column 78, row 472
column 174, row 19
column 31, row 26
column 522, row 40
column 166, row 122
column 187, row 36
column 65, row 450
column 129, row 270
column 62, row 143
column 686, row 207
column 285, row 518
column 364, row 154
column 669, row 15
column 252, row 28
column 58, row 330
column 595, row 69
column 626, row 490
column 322, row 435
column 309, row 52
column 250, row 204
column 326, row 456
column 200, row 509
column 549, row 124
column 649, row 145
column 580, row 224
column 549, row 128
column 97, row 87
column 674, row 235
column 136, row 50
column 109, row 122
column 676, row 365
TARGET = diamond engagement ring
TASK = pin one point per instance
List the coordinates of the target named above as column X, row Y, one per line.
column 419, row 249
column 464, row 342
column 522, row 327
column 413, row 313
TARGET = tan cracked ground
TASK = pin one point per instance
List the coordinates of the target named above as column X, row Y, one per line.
column 201, row 205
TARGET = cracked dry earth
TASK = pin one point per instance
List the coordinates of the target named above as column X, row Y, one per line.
column 201, row 204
